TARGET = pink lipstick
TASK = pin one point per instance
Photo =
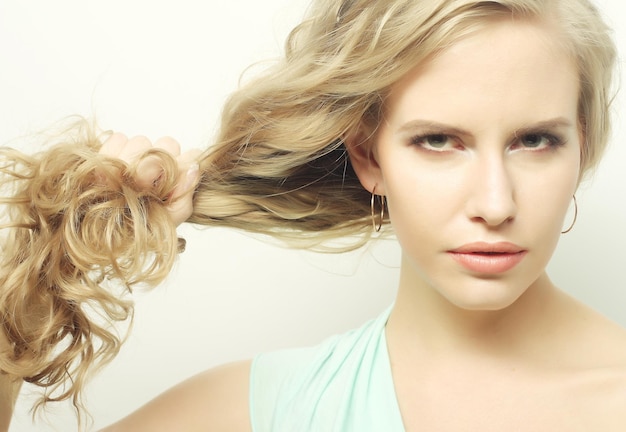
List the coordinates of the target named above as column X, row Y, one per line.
column 488, row 258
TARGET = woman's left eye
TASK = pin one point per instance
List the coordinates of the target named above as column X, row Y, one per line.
column 538, row 141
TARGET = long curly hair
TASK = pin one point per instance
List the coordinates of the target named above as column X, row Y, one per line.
column 79, row 234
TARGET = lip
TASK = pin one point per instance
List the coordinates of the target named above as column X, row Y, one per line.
column 488, row 258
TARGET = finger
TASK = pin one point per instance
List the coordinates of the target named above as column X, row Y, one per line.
column 181, row 202
column 187, row 159
column 113, row 146
column 134, row 147
column 168, row 144
column 148, row 170
column 189, row 173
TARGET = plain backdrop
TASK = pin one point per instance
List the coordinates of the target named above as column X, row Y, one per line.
column 164, row 68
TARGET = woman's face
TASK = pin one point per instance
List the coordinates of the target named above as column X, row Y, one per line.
column 479, row 157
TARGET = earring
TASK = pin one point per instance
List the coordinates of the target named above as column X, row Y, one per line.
column 575, row 216
column 377, row 226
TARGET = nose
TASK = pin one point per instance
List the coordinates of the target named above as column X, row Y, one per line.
column 491, row 195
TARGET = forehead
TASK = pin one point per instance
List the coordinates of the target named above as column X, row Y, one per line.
column 506, row 69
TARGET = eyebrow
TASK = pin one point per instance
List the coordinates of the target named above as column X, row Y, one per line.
column 557, row 123
column 436, row 127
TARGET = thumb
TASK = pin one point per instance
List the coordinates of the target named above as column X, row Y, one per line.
column 181, row 199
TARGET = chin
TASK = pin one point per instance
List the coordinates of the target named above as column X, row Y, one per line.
column 485, row 298
column 485, row 306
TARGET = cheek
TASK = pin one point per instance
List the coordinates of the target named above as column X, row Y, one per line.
column 544, row 209
column 422, row 203
column 543, row 201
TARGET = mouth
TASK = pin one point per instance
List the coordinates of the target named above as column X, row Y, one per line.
column 483, row 248
column 488, row 258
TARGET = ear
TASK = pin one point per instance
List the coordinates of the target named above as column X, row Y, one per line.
column 360, row 147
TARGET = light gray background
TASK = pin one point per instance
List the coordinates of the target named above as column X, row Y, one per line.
column 164, row 68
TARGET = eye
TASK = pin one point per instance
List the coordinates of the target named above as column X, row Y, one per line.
column 533, row 140
column 433, row 142
column 538, row 141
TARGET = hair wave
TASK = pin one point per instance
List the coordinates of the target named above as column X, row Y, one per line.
column 78, row 234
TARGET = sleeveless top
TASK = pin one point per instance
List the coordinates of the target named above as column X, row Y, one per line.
column 342, row 385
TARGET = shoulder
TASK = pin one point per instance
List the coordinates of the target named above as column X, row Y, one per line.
column 214, row 400
column 586, row 338
column 600, row 340
column 297, row 367
column 600, row 384
column 321, row 387
column 601, row 396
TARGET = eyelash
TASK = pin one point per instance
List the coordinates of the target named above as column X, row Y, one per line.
column 418, row 140
column 553, row 141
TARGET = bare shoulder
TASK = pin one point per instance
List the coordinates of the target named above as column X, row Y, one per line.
column 600, row 349
column 602, row 395
column 214, row 400
column 604, row 339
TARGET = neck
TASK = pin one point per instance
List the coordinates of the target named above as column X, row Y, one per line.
column 423, row 321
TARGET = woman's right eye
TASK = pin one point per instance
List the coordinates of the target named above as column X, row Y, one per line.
column 433, row 142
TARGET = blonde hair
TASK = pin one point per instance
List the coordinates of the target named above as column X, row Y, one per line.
column 278, row 167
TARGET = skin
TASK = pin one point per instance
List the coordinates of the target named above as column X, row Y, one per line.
column 9, row 390
column 180, row 208
column 490, row 181
column 215, row 400
column 469, row 351
column 461, row 158
column 149, row 170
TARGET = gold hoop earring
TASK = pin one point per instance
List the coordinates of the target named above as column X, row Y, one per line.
column 575, row 216
column 377, row 226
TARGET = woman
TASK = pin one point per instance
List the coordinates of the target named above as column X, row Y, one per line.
column 460, row 134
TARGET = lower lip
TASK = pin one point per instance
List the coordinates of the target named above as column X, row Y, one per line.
column 488, row 263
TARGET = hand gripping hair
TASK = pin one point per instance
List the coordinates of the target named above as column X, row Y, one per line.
column 74, row 222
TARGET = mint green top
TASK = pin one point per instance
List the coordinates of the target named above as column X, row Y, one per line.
column 342, row 385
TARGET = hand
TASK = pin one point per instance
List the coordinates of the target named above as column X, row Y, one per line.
column 149, row 170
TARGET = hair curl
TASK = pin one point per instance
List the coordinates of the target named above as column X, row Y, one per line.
column 76, row 221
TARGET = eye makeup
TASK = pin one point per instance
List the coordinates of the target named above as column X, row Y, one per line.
column 440, row 138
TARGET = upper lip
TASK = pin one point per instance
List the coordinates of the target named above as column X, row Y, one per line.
column 485, row 247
